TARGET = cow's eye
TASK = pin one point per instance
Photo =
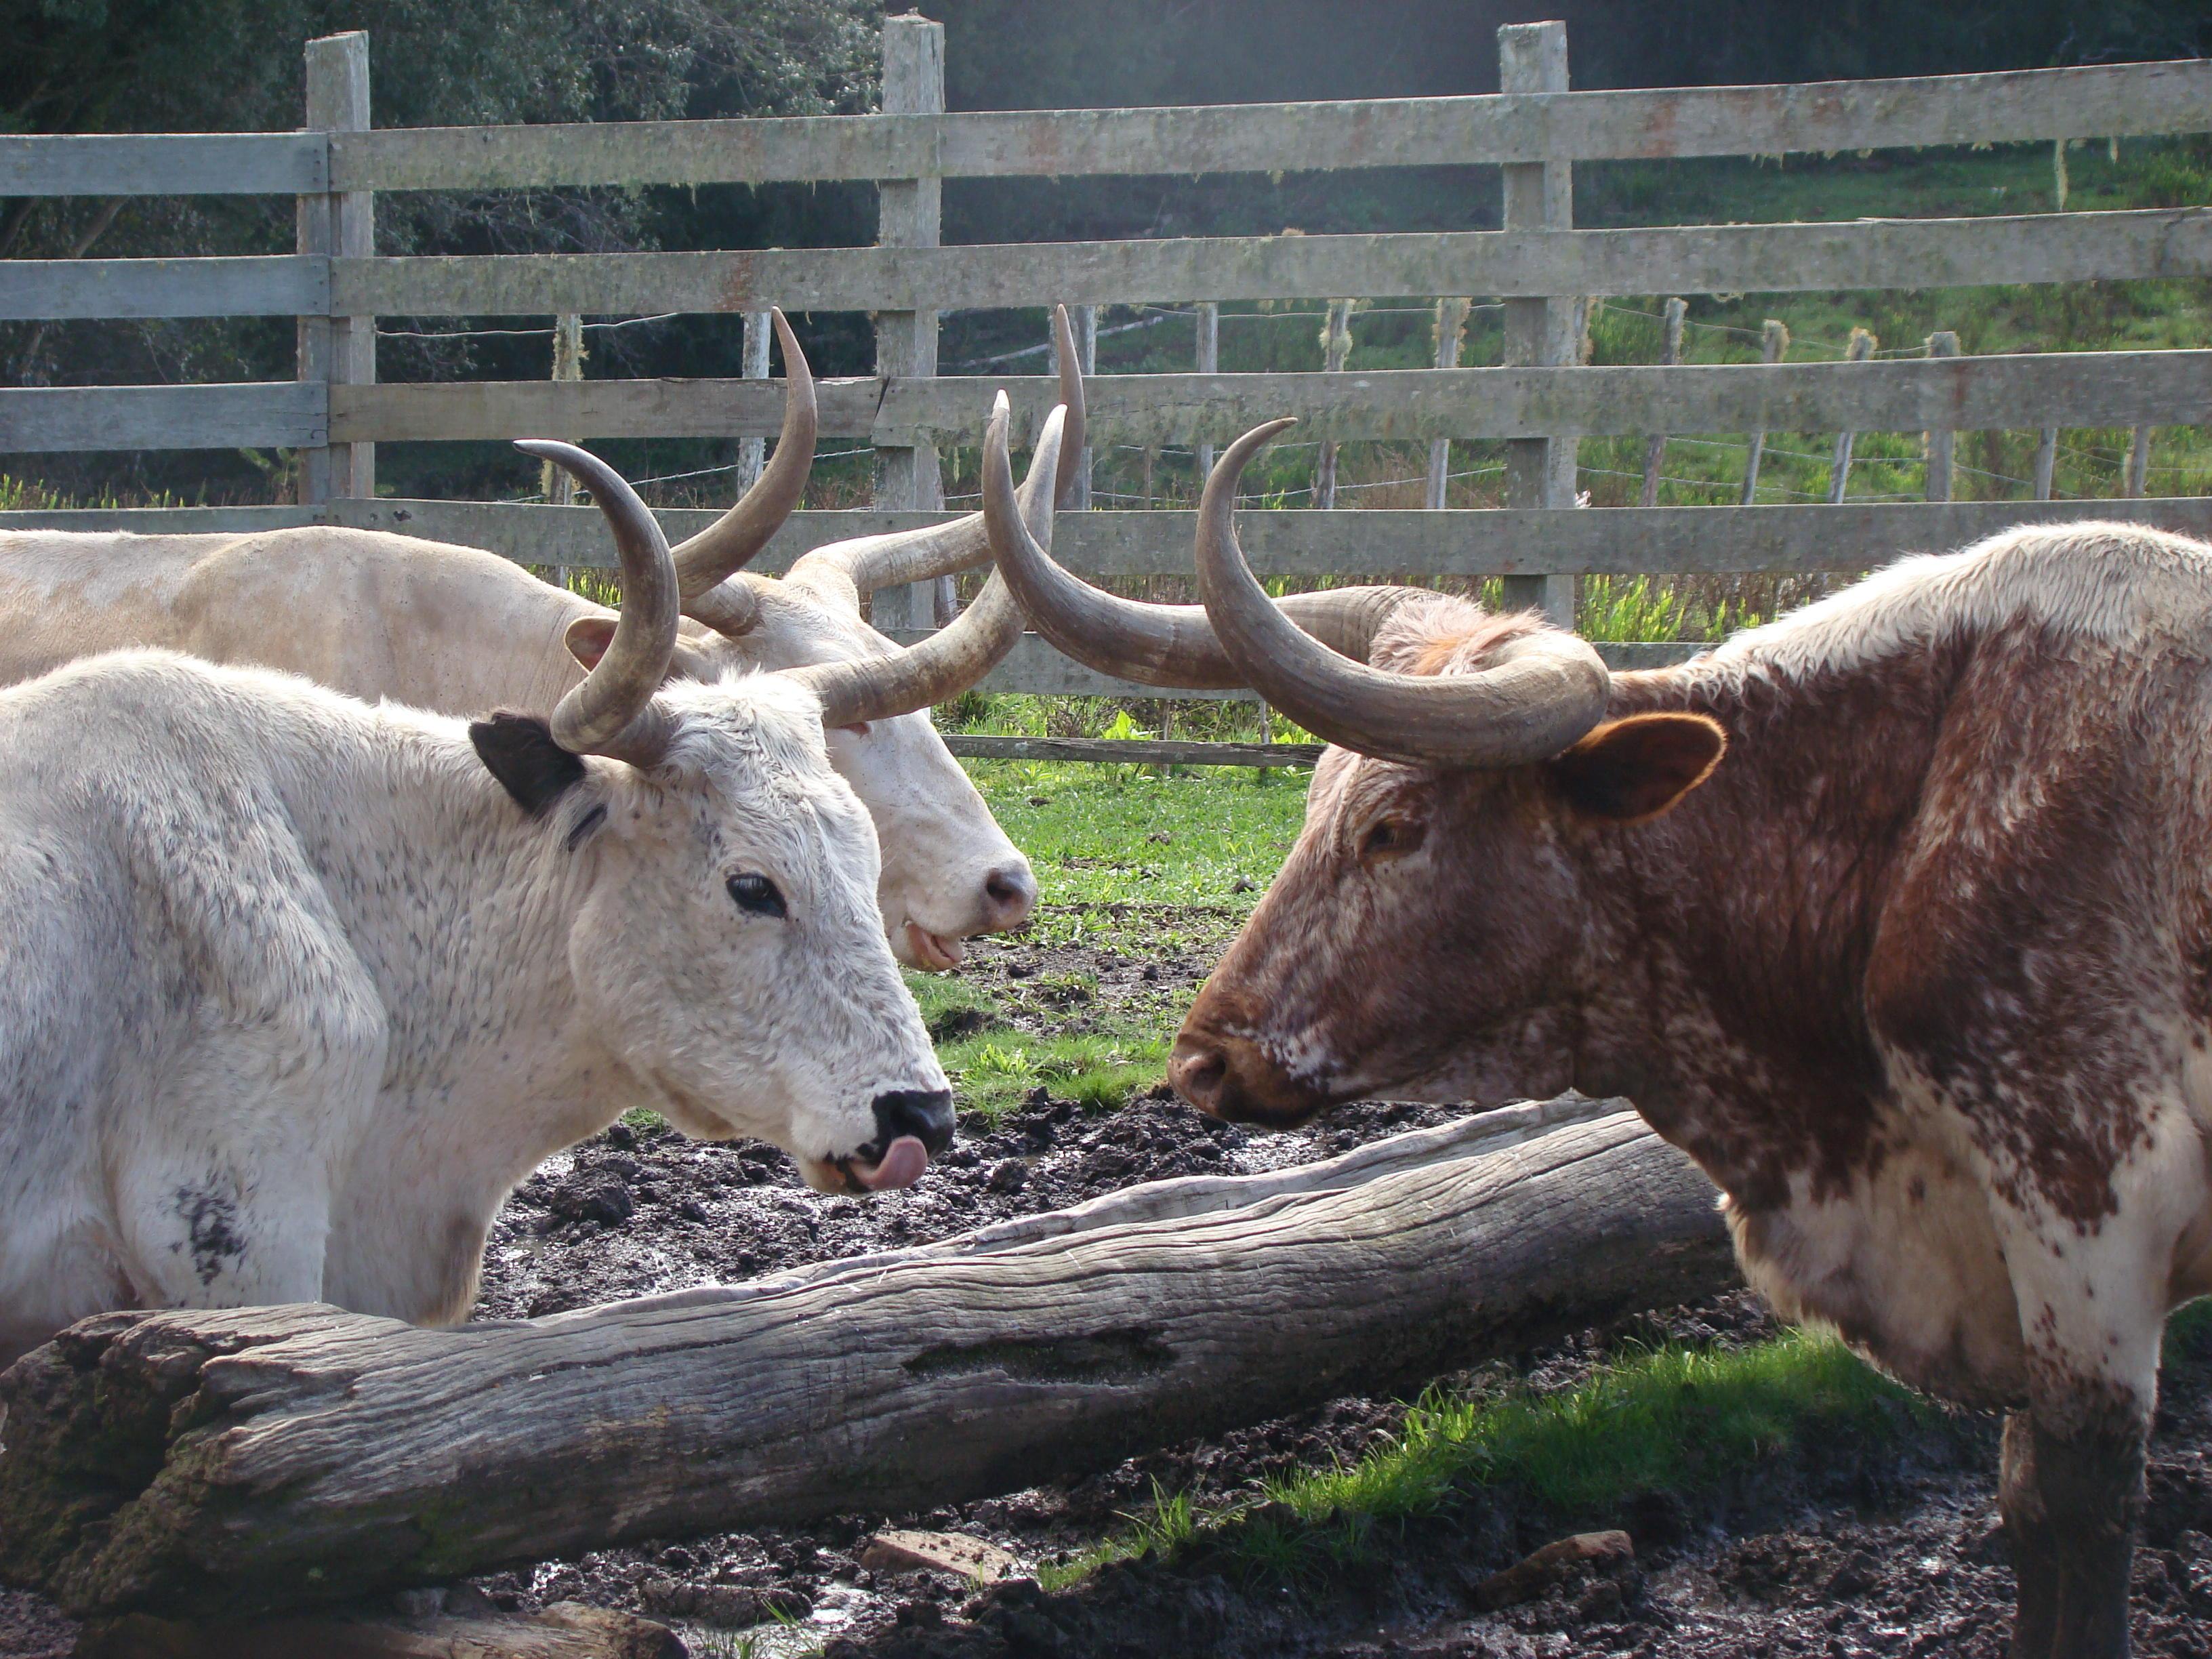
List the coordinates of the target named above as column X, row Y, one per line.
column 1391, row 838
column 756, row 895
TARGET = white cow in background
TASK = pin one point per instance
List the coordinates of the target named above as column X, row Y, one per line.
column 293, row 988
column 460, row 630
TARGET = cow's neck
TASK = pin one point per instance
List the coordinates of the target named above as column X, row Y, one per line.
column 1724, row 991
column 491, row 1066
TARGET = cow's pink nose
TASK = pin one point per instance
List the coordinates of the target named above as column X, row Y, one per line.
column 1198, row 1070
column 1009, row 894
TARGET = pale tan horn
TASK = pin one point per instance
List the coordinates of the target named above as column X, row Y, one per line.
column 706, row 561
column 858, row 568
column 1173, row 645
column 1541, row 693
column 953, row 658
column 613, row 712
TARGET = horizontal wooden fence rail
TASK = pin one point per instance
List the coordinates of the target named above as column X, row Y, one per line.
column 2113, row 100
column 1372, row 543
column 2125, row 100
column 1865, row 253
column 1887, row 253
column 2056, row 389
column 2077, row 389
column 251, row 285
column 262, row 414
column 168, row 164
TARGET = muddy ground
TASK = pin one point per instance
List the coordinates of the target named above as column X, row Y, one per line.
column 1888, row 1546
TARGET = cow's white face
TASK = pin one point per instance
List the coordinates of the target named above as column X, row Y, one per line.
column 948, row 870
column 730, row 948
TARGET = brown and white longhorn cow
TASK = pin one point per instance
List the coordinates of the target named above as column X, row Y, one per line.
column 1895, row 915
column 457, row 630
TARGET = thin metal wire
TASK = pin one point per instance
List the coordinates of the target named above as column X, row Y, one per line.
column 516, row 333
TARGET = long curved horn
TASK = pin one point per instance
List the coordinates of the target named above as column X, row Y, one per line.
column 1543, row 691
column 1172, row 645
column 953, row 658
column 710, row 558
column 868, row 562
column 613, row 712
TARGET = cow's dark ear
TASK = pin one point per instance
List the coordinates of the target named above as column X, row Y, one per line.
column 519, row 751
column 1631, row 769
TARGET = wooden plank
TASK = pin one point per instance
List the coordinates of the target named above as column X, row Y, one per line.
column 1540, row 195
column 909, row 214
column 160, row 520
column 625, row 409
column 1867, row 253
column 1147, row 751
column 267, row 285
column 336, row 350
column 1375, row 543
column 2077, row 388
column 168, row 164
column 2127, row 100
column 266, row 415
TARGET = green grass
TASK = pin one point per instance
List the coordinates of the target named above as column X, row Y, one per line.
column 1666, row 1420
column 1118, row 850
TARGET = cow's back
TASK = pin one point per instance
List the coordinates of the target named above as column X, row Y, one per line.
column 65, row 595
column 367, row 612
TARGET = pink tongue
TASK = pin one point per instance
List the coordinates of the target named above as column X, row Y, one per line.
column 903, row 1164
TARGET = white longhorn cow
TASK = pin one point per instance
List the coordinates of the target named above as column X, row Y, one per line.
column 459, row 631
column 293, row 988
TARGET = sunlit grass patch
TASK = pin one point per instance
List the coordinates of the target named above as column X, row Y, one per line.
column 991, row 1072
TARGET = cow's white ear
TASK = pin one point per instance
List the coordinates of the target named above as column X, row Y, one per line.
column 1631, row 769
column 588, row 637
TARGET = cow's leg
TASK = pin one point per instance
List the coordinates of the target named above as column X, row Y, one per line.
column 2071, row 1500
column 2092, row 1314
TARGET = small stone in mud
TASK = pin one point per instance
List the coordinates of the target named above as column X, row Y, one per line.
column 1562, row 1558
column 1008, row 1177
column 733, row 1606
column 957, row 1553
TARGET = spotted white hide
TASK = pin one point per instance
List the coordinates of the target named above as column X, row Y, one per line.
column 293, row 989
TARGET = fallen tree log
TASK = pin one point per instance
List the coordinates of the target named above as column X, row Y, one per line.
column 234, row 1463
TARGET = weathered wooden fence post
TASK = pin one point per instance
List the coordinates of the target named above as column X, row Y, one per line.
column 1208, row 363
column 1670, row 354
column 558, row 488
column 907, row 215
column 1540, row 332
column 1940, row 444
column 1839, row 471
column 1774, row 347
column 1451, row 331
column 336, row 225
column 752, row 452
column 1082, row 323
column 2046, row 462
column 1335, row 352
column 2138, row 462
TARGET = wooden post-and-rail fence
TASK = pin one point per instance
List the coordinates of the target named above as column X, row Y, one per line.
column 1538, row 402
